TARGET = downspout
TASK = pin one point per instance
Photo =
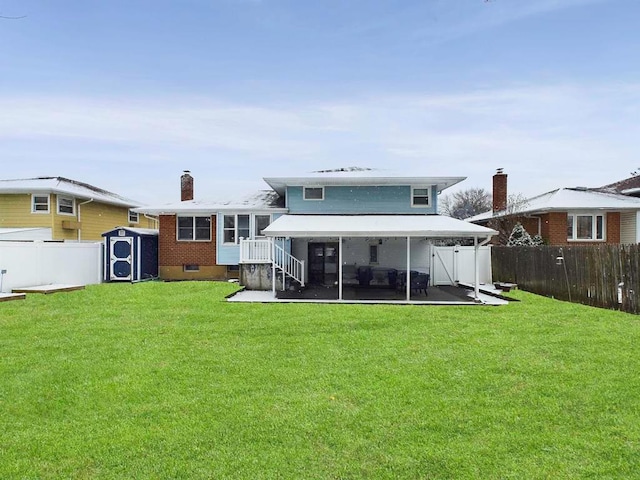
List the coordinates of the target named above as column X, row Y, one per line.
column 80, row 228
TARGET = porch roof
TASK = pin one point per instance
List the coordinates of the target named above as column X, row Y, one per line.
column 375, row 226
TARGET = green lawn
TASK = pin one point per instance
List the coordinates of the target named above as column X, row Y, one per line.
column 167, row 380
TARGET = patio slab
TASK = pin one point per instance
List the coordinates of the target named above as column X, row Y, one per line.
column 437, row 296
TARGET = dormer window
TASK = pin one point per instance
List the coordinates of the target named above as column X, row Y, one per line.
column 313, row 193
column 420, row 197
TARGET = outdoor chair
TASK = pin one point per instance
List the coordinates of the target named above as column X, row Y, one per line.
column 420, row 282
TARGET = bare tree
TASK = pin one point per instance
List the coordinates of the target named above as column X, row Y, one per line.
column 465, row 203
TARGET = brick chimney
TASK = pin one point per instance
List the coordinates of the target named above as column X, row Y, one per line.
column 186, row 186
column 499, row 191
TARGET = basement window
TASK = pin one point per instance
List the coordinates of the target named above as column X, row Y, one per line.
column 191, row 268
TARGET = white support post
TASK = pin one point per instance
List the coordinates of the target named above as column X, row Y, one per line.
column 408, row 276
column 476, row 273
column 273, row 266
column 284, row 267
column 340, row 268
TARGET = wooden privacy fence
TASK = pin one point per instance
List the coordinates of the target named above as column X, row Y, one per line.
column 604, row 276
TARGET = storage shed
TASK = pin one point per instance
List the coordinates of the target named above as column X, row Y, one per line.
column 130, row 254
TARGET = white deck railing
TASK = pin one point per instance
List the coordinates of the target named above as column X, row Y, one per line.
column 264, row 250
column 255, row 251
column 289, row 264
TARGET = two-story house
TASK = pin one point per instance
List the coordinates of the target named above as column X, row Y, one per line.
column 58, row 208
column 327, row 228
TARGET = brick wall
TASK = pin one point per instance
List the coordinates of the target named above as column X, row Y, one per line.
column 174, row 254
column 613, row 227
column 554, row 229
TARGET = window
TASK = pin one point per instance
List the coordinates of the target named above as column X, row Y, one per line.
column 243, row 226
column 235, row 227
column 587, row 227
column 229, row 228
column 66, row 205
column 133, row 217
column 194, row 229
column 40, row 204
column 420, row 197
column 260, row 223
column 373, row 253
column 313, row 193
column 191, row 268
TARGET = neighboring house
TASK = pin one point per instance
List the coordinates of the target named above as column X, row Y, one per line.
column 566, row 216
column 629, row 186
column 316, row 229
column 57, row 208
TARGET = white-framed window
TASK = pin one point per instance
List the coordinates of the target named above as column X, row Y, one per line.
column 191, row 268
column 421, row 197
column 313, row 193
column 260, row 222
column 234, row 227
column 194, row 229
column 586, row 227
column 66, row 206
column 134, row 217
column 39, row 203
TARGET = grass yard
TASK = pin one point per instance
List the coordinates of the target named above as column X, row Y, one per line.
column 167, row 380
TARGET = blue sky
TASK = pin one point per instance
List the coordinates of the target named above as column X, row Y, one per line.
column 127, row 94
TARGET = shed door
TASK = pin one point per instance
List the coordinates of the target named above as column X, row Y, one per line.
column 120, row 258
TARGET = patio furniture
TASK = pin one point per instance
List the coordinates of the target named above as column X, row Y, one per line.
column 419, row 281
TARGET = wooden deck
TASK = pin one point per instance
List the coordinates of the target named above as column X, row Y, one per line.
column 5, row 297
column 47, row 289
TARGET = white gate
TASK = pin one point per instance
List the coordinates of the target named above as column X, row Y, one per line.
column 457, row 264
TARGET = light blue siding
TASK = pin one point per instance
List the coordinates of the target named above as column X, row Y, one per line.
column 230, row 254
column 360, row 200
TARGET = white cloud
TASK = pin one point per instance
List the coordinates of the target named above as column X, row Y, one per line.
column 544, row 136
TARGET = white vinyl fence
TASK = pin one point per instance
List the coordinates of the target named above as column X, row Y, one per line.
column 28, row 264
column 457, row 264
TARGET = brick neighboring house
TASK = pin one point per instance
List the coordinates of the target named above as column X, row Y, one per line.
column 629, row 187
column 568, row 216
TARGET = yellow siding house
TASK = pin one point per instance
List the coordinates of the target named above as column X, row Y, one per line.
column 57, row 208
